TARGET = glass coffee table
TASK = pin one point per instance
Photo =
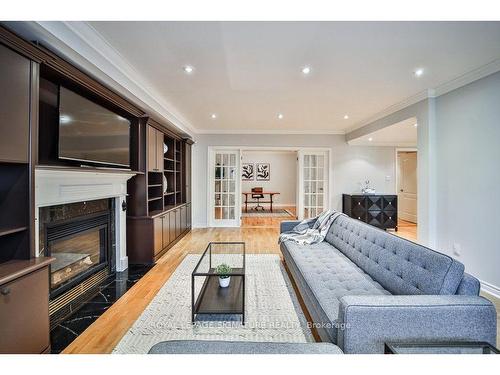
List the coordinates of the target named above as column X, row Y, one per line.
column 207, row 297
column 440, row 348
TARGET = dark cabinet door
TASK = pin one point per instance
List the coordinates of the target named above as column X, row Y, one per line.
column 166, row 230
column 24, row 303
column 155, row 150
column 159, row 151
column 171, row 223
column 359, row 210
column 375, row 218
column 177, row 222
column 183, row 219
column 14, row 105
column 152, row 164
column 390, row 203
column 158, row 235
column 188, row 209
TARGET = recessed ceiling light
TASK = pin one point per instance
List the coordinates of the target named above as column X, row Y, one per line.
column 188, row 69
column 346, row 117
column 418, row 72
column 370, row 139
column 280, row 116
column 213, row 116
column 415, row 125
column 306, row 70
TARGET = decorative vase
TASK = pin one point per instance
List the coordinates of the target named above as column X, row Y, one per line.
column 224, row 282
column 165, row 148
column 165, row 184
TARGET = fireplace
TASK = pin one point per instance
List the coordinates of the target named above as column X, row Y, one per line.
column 81, row 237
column 80, row 219
column 80, row 247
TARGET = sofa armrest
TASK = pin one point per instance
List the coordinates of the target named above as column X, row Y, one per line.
column 367, row 322
column 288, row 225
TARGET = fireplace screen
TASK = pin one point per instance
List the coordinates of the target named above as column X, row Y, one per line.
column 74, row 256
column 80, row 248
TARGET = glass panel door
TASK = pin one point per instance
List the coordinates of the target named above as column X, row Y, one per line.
column 225, row 207
column 313, row 176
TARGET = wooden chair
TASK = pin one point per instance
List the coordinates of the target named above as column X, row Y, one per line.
column 257, row 194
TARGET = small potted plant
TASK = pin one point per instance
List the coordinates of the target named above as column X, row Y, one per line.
column 223, row 270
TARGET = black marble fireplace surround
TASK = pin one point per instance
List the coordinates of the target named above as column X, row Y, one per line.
column 106, row 294
column 73, row 219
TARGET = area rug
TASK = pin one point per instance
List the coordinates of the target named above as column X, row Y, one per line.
column 277, row 212
column 273, row 313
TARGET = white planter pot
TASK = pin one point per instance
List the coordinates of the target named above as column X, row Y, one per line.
column 224, row 283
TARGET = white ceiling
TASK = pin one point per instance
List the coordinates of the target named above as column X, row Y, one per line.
column 401, row 134
column 248, row 72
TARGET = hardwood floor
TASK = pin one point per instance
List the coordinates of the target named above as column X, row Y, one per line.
column 252, row 222
column 105, row 333
column 407, row 230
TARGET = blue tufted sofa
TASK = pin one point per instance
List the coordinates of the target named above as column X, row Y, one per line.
column 363, row 286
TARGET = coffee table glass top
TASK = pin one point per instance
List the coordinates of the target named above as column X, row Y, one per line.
column 207, row 297
column 441, row 348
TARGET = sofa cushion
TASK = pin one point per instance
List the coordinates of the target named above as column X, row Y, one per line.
column 325, row 275
column 400, row 266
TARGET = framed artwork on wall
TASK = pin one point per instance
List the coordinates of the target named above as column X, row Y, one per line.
column 247, row 172
column 263, row 171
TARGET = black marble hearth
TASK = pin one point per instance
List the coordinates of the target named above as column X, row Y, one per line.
column 110, row 290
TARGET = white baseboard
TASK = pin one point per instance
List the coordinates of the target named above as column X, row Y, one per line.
column 490, row 289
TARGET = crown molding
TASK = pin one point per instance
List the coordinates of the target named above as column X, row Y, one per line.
column 87, row 48
column 392, row 109
column 460, row 81
column 382, row 144
column 465, row 79
column 81, row 44
column 271, row 131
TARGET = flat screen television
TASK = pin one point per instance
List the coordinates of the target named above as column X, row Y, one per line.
column 91, row 133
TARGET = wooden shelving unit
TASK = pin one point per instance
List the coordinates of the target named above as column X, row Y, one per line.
column 159, row 211
column 16, row 166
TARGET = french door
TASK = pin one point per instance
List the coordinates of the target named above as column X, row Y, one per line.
column 224, row 188
column 313, row 183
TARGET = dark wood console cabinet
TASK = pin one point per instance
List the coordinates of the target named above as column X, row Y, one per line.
column 24, row 306
column 381, row 211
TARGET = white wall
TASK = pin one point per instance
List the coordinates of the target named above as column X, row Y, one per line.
column 423, row 111
column 283, row 177
column 352, row 165
column 349, row 164
column 458, row 174
column 468, row 176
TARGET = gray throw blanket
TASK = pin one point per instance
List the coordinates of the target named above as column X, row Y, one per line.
column 305, row 234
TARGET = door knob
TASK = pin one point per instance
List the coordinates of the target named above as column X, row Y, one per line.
column 401, row 190
column 5, row 291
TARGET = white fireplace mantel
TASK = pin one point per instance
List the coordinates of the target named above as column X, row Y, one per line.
column 54, row 186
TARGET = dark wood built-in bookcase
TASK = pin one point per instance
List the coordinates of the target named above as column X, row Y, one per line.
column 159, row 204
column 16, row 169
column 30, row 76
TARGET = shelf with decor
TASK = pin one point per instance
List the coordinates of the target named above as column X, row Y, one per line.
column 161, row 211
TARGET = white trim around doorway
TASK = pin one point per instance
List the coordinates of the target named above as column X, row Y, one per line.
column 240, row 149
